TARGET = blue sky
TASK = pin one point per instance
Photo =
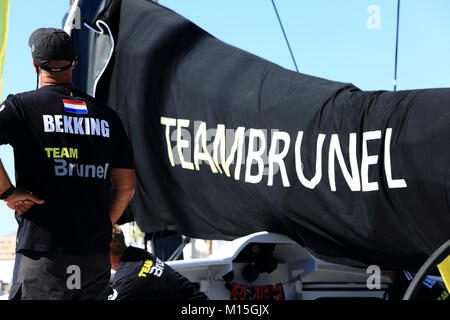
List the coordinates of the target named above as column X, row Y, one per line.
column 342, row 40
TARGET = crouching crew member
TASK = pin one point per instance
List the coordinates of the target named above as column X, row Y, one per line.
column 142, row 276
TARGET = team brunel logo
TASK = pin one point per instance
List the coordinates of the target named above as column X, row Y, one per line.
column 75, row 106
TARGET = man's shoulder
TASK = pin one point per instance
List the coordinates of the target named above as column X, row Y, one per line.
column 17, row 101
column 18, row 97
column 28, row 93
column 29, row 97
column 101, row 105
column 137, row 254
column 131, row 264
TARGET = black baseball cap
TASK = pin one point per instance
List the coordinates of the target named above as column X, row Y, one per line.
column 48, row 44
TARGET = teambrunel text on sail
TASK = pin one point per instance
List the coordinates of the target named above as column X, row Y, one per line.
column 219, row 159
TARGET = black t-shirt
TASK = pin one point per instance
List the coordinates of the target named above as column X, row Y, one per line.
column 142, row 276
column 65, row 144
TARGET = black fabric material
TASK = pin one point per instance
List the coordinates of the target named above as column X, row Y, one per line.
column 84, row 41
column 64, row 156
column 40, row 276
column 142, row 276
column 165, row 66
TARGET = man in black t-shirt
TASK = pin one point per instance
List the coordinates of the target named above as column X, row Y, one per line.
column 142, row 276
column 74, row 178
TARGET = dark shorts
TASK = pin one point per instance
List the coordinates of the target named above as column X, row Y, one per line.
column 41, row 276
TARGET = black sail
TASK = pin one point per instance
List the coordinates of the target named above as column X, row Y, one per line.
column 355, row 176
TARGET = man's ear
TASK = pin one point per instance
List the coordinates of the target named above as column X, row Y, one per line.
column 35, row 67
column 74, row 64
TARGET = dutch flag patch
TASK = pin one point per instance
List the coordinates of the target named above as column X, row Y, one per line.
column 74, row 106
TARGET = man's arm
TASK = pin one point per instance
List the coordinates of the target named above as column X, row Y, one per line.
column 20, row 200
column 5, row 183
column 123, row 183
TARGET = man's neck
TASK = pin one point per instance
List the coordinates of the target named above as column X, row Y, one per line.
column 51, row 81
column 115, row 261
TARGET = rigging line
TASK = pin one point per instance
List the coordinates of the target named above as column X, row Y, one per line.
column 396, row 46
column 284, row 33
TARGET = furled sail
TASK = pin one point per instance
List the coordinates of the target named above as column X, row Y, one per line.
column 227, row 143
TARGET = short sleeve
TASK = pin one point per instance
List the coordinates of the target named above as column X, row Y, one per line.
column 9, row 120
column 123, row 153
